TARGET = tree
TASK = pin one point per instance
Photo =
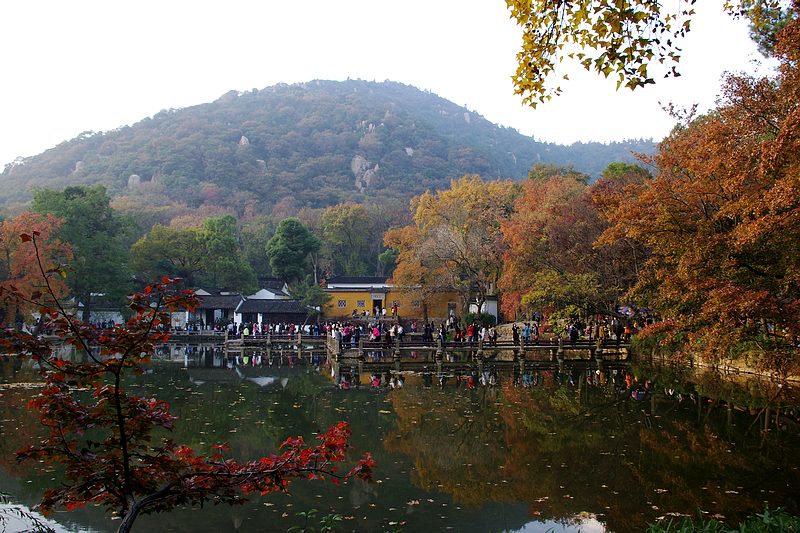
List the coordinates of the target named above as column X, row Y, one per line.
column 108, row 440
column 348, row 232
column 549, row 242
column 256, row 233
column 289, row 248
column 543, row 172
column 455, row 242
column 621, row 39
column 100, row 263
column 721, row 221
column 411, row 274
column 312, row 297
column 170, row 251
column 226, row 266
column 207, row 255
column 551, row 262
column 18, row 264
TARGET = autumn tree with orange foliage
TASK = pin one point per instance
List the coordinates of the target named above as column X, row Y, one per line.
column 19, row 266
column 722, row 221
column 551, row 263
column 455, row 242
column 114, row 446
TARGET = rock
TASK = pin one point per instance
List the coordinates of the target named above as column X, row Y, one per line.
column 78, row 167
column 409, row 151
column 244, row 141
column 358, row 165
column 364, row 175
column 134, row 180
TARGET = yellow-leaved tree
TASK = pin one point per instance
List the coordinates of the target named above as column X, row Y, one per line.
column 454, row 242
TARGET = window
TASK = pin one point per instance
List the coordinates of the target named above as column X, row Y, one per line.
column 416, row 304
column 361, row 304
column 342, row 304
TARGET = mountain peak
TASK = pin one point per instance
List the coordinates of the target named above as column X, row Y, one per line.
column 315, row 144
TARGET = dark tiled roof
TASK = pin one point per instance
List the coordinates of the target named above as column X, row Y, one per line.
column 272, row 307
column 218, row 301
column 358, row 279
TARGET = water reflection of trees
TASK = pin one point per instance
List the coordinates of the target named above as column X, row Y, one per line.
column 591, row 447
column 556, row 449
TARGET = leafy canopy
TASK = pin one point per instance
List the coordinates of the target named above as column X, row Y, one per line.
column 632, row 41
column 90, row 226
column 209, row 255
column 289, row 248
column 19, row 268
column 721, row 222
column 455, row 242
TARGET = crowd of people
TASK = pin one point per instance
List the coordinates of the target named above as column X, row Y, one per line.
column 451, row 330
column 281, row 328
column 600, row 327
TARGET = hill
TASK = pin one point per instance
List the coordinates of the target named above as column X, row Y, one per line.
column 313, row 144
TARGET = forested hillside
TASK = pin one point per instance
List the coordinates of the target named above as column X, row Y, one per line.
column 307, row 145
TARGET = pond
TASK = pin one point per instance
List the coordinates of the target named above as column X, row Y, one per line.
column 574, row 451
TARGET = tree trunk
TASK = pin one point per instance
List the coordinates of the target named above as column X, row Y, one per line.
column 130, row 517
column 87, row 307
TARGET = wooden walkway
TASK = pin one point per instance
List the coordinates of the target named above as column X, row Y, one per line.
column 415, row 355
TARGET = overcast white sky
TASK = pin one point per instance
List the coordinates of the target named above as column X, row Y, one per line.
column 68, row 67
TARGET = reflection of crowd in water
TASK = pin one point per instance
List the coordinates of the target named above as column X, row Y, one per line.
column 277, row 358
column 620, row 379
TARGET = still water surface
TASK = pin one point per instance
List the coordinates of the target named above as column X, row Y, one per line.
column 572, row 453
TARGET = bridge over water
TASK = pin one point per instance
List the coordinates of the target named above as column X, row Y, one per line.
column 413, row 354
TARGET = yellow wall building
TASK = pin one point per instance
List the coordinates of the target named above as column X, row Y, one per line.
column 368, row 293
